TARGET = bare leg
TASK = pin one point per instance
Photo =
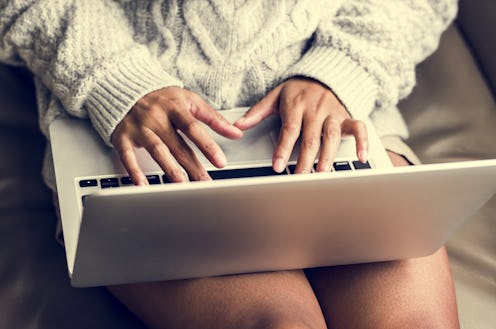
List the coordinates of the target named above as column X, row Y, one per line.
column 416, row 293
column 413, row 293
column 267, row 300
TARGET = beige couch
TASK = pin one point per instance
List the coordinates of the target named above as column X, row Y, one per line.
column 452, row 116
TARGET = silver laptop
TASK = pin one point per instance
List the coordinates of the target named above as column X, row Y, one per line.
column 249, row 218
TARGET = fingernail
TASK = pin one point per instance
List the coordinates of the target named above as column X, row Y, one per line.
column 362, row 155
column 279, row 165
column 240, row 120
column 323, row 166
column 220, row 160
column 237, row 130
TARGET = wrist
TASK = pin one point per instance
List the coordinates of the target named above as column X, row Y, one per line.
column 120, row 85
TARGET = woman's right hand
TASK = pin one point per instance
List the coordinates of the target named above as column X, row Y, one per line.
column 153, row 123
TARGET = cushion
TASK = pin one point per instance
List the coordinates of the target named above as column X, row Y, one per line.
column 476, row 19
column 34, row 286
column 452, row 117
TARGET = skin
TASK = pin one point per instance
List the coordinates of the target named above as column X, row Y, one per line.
column 411, row 293
column 305, row 106
column 153, row 122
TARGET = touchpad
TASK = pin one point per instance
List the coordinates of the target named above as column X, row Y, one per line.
column 254, row 147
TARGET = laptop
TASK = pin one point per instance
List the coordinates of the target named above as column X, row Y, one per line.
column 249, row 218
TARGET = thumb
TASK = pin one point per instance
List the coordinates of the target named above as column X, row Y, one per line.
column 215, row 120
column 265, row 107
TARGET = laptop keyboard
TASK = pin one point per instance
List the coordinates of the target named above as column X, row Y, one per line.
column 118, row 181
column 88, row 186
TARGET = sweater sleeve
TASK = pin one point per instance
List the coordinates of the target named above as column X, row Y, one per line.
column 368, row 51
column 84, row 52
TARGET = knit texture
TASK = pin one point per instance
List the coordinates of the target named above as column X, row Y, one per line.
column 96, row 58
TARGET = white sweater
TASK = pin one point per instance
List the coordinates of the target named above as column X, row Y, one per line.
column 96, row 58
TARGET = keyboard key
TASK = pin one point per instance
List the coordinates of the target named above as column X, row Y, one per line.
column 342, row 166
column 360, row 165
column 126, row 180
column 83, row 199
column 165, row 179
column 88, row 182
column 153, row 179
column 292, row 168
column 109, row 182
column 243, row 172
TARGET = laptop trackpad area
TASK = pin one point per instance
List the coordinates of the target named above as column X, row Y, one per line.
column 255, row 147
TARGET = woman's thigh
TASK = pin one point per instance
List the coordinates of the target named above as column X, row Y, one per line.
column 412, row 293
column 265, row 300
column 379, row 295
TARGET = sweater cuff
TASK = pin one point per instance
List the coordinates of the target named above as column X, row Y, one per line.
column 120, row 85
column 350, row 82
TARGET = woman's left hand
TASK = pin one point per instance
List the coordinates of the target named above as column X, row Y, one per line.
column 310, row 109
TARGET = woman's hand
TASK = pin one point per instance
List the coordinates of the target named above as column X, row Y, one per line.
column 309, row 108
column 153, row 123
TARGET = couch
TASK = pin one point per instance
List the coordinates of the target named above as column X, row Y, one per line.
column 451, row 115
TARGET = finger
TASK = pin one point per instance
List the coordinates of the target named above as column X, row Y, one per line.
column 265, row 107
column 291, row 118
column 310, row 145
column 161, row 154
column 358, row 129
column 128, row 158
column 331, row 139
column 214, row 119
column 205, row 143
column 184, row 155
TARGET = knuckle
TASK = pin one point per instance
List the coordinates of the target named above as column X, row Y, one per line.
column 155, row 113
column 155, row 148
column 144, row 102
column 362, row 127
column 126, row 154
column 194, row 109
column 324, row 162
column 210, row 147
column 175, row 174
column 310, row 143
column 175, row 103
column 300, row 96
column 358, row 124
column 290, row 127
column 200, row 175
column 191, row 126
column 332, row 130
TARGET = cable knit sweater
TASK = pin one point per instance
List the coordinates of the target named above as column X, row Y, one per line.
column 96, row 58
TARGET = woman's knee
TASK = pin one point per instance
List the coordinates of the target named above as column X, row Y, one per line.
column 425, row 318
column 396, row 294
column 266, row 300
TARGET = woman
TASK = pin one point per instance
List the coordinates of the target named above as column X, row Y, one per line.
column 141, row 70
